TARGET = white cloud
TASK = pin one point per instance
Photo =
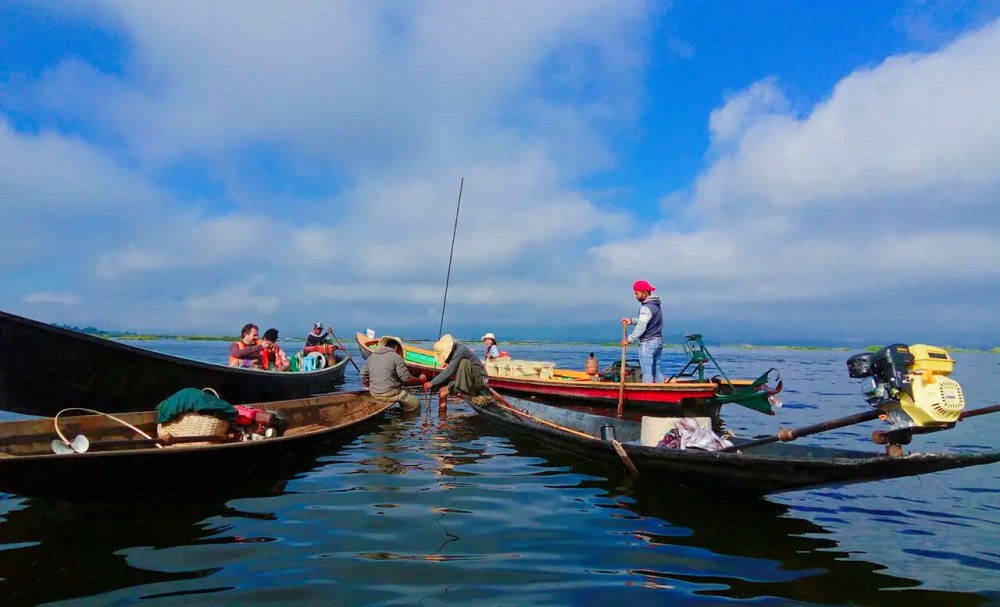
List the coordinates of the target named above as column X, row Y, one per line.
column 883, row 193
column 914, row 122
column 883, row 196
column 49, row 297
column 730, row 122
column 395, row 102
column 64, row 178
column 362, row 83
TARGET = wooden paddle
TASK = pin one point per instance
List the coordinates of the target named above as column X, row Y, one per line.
column 341, row 344
column 621, row 374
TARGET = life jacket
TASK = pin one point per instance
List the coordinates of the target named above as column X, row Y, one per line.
column 238, row 362
column 324, row 348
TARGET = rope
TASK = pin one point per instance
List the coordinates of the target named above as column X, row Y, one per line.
column 55, row 422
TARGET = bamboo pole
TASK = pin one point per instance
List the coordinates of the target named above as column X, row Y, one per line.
column 785, row 435
column 621, row 374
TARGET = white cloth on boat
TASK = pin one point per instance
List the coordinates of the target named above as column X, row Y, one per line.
column 687, row 434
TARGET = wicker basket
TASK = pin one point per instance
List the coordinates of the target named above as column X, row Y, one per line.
column 193, row 424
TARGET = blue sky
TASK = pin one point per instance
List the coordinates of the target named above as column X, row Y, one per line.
column 781, row 170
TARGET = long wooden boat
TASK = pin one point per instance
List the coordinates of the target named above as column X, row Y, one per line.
column 577, row 388
column 120, row 462
column 44, row 369
column 771, row 468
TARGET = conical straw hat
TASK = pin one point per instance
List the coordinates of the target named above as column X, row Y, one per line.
column 443, row 348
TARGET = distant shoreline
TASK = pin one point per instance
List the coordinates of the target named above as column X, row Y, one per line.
column 741, row 346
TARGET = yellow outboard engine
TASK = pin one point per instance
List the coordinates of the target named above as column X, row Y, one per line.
column 910, row 384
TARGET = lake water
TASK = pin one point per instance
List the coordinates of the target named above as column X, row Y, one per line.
column 412, row 509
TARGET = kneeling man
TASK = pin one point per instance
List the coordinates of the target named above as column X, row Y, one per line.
column 385, row 375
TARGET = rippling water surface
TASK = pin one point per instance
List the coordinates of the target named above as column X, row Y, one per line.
column 413, row 509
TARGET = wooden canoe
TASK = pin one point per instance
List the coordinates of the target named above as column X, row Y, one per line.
column 576, row 388
column 772, row 468
column 44, row 369
column 29, row 467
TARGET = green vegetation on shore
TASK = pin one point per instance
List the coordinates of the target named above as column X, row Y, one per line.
column 128, row 336
column 137, row 337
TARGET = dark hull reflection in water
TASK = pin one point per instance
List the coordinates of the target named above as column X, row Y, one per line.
column 433, row 512
column 52, row 550
column 740, row 548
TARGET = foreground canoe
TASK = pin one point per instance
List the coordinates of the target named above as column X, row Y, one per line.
column 44, row 369
column 576, row 388
column 29, row 467
column 759, row 470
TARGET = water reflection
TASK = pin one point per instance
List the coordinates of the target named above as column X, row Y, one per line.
column 737, row 548
column 423, row 510
column 51, row 550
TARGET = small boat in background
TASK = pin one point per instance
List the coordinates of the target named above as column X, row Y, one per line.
column 118, row 461
column 689, row 389
column 44, row 369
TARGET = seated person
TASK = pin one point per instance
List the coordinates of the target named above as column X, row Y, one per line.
column 464, row 371
column 317, row 337
column 273, row 357
column 385, row 375
column 246, row 351
column 492, row 350
column 316, row 341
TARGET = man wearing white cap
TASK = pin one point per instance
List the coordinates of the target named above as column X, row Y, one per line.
column 317, row 337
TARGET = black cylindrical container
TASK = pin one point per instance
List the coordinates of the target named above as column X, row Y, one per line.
column 607, row 432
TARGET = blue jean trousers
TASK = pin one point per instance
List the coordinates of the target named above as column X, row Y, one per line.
column 649, row 360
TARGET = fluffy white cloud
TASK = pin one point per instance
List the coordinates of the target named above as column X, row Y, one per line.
column 914, row 122
column 882, row 197
column 885, row 193
column 386, row 106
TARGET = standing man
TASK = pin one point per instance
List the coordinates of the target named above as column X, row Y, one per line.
column 648, row 332
column 385, row 375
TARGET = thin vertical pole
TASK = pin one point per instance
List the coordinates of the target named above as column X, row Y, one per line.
column 451, row 255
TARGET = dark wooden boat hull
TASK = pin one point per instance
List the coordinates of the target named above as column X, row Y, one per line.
column 25, row 468
column 44, row 369
column 767, row 469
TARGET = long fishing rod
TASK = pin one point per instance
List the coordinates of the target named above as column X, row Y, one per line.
column 451, row 255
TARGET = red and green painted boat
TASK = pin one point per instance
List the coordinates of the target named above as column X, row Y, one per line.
column 688, row 389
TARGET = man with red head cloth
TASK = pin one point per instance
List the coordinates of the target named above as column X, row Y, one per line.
column 648, row 332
